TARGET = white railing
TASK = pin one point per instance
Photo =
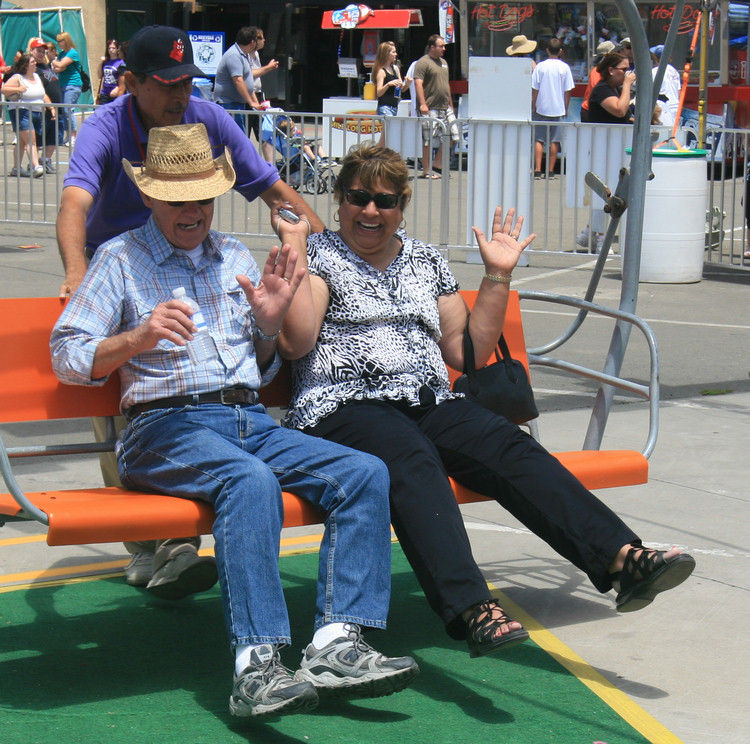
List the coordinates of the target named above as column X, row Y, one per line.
column 493, row 163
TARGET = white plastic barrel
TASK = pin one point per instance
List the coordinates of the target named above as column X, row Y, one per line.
column 674, row 219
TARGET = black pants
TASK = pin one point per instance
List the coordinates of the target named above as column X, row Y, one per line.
column 423, row 445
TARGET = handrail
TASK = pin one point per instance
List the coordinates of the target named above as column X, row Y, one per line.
column 650, row 392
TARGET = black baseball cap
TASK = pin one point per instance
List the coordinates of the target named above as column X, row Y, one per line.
column 163, row 53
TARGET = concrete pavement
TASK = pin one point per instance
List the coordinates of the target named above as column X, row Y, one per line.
column 684, row 660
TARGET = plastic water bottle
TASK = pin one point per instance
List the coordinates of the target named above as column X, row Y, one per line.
column 202, row 348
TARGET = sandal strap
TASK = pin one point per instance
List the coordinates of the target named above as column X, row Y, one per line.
column 485, row 618
column 640, row 563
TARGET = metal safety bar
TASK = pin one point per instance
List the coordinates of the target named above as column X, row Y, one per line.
column 649, row 392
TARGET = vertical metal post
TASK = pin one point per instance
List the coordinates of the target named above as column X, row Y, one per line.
column 640, row 169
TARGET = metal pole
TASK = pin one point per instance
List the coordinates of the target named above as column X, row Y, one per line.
column 640, row 169
column 702, row 91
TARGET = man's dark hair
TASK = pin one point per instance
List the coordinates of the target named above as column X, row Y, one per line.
column 247, row 35
column 433, row 40
column 554, row 46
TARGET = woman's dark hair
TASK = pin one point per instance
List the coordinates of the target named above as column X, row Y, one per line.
column 609, row 60
column 372, row 163
column 109, row 43
column 21, row 65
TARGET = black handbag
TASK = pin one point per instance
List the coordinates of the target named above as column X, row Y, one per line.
column 503, row 388
column 85, row 79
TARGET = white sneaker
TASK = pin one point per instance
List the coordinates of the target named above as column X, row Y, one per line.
column 183, row 574
column 139, row 571
column 38, row 171
column 351, row 666
column 267, row 687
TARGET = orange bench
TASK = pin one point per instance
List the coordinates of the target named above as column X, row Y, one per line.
column 29, row 391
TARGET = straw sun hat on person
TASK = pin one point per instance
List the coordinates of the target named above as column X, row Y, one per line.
column 180, row 165
column 520, row 45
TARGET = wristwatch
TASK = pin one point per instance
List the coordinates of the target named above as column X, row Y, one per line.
column 257, row 333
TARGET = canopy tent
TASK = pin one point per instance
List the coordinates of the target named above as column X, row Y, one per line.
column 18, row 26
column 365, row 18
column 370, row 19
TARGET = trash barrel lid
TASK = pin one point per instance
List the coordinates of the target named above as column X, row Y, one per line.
column 672, row 153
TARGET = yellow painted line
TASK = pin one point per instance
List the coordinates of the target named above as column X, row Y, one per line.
column 41, row 538
column 43, row 576
column 22, row 540
column 617, row 700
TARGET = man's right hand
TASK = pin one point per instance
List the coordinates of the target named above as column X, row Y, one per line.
column 168, row 320
column 70, row 284
column 75, row 204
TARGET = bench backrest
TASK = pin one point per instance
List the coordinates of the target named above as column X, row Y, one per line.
column 29, row 390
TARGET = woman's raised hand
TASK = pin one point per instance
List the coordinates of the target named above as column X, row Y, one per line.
column 500, row 254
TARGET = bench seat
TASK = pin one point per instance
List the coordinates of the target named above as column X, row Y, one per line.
column 29, row 391
column 99, row 515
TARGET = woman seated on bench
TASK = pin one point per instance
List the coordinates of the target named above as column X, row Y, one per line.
column 389, row 317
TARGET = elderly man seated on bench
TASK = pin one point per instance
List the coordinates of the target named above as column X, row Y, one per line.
column 197, row 431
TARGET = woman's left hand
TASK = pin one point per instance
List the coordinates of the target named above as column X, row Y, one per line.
column 271, row 298
column 287, row 230
column 501, row 253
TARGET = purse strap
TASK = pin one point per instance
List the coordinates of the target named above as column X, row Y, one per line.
column 502, row 354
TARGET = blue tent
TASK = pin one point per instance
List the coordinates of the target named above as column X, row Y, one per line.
column 18, row 26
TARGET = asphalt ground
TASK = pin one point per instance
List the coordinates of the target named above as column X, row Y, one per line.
column 683, row 660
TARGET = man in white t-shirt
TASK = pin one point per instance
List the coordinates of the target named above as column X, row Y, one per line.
column 551, row 83
column 671, row 85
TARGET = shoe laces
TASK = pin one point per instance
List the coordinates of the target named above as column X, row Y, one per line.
column 269, row 668
column 359, row 645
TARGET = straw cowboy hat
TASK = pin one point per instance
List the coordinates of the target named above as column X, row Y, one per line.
column 520, row 45
column 180, row 165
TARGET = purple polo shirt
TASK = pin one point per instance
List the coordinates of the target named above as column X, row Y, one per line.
column 114, row 132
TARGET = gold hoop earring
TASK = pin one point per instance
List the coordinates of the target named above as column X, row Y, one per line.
column 336, row 216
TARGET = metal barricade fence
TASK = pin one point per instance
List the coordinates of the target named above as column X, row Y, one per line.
column 493, row 162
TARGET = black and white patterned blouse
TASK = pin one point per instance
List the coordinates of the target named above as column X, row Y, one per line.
column 379, row 338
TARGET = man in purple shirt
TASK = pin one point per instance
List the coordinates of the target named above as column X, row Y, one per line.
column 100, row 202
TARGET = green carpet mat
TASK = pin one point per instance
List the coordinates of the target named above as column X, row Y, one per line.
column 96, row 661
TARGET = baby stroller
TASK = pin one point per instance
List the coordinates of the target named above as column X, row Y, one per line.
column 298, row 164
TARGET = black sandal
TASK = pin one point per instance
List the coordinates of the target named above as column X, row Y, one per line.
column 482, row 624
column 642, row 578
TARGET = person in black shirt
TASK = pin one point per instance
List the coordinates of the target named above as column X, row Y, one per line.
column 610, row 100
column 48, row 138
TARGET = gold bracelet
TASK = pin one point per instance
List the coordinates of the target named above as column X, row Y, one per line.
column 499, row 278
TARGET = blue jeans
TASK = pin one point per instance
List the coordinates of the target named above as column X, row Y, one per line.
column 23, row 120
column 71, row 94
column 236, row 106
column 238, row 459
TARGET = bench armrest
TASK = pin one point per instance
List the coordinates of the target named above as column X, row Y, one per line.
column 650, row 391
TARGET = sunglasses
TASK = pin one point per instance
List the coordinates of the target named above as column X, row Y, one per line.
column 361, row 198
column 202, row 202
